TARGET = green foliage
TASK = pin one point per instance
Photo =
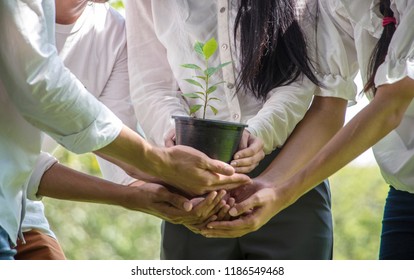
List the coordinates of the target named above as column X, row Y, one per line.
column 117, row 4
column 358, row 198
column 91, row 231
column 206, row 51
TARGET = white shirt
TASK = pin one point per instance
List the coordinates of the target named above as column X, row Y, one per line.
column 161, row 35
column 361, row 25
column 94, row 50
column 38, row 92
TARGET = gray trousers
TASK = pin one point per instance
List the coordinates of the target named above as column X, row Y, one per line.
column 303, row 231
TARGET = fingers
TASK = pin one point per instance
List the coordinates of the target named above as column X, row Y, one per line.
column 232, row 182
column 219, row 167
column 245, row 160
column 211, row 205
column 179, row 201
column 244, row 206
column 229, row 229
column 169, row 139
column 244, row 140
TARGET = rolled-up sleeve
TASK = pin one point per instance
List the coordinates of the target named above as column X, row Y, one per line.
column 45, row 92
column 43, row 163
column 399, row 62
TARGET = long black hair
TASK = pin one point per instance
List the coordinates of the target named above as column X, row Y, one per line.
column 380, row 51
column 272, row 46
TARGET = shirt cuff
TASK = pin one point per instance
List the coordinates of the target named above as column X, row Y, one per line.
column 392, row 71
column 43, row 163
column 337, row 86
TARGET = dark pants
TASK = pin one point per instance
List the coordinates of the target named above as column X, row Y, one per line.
column 397, row 238
column 302, row 231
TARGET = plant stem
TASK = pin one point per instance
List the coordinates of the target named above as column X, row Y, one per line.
column 206, row 94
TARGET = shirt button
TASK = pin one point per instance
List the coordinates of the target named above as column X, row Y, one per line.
column 236, row 116
column 222, row 10
column 224, row 46
column 230, row 86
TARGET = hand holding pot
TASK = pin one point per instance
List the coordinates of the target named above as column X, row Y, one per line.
column 250, row 153
column 194, row 173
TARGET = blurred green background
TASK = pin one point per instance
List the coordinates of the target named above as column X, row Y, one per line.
column 101, row 232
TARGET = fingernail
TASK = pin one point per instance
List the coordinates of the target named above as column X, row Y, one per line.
column 210, row 227
column 187, row 206
column 233, row 163
column 233, row 212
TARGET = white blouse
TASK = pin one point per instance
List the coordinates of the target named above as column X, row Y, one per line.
column 360, row 24
column 160, row 37
column 37, row 91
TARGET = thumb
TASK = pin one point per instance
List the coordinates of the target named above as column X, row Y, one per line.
column 220, row 167
column 243, row 207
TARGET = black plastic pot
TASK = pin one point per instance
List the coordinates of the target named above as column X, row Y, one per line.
column 217, row 139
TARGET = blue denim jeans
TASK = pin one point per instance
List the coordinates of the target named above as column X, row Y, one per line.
column 6, row 252
column 397, row 238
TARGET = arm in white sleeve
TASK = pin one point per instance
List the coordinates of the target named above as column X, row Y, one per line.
column 116, row 97
column 336, row 57
column 43, row 163
column 154, row 90
column 281, row 112
column 399, row 62
column 46, row 94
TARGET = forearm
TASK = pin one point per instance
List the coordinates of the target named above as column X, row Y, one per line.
column 64, row 183
column 323, row 119
column 369, row 126
column 133, row 154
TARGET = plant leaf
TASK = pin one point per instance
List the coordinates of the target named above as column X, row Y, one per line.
column 210, row 71
column 195, row 108
column 211, row 89
column 214, row 98
column 191, row 66
column 223, row 64
column 215, row 111
column 198, row 47
column 192, row 95
column 210, row 48
column 204, row 78
column 216, row 84
column 194, row 82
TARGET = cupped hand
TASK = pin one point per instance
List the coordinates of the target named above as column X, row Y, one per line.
column 159, row 201
column 252, row 212
column 250, row 153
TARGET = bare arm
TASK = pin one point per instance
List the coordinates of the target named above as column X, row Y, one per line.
column 64, row 183
column 369, row 126
column 323, row 119
column 183, row 167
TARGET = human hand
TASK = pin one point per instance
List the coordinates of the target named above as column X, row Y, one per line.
column 156, row 200
column 169, row 139
column 194, row 173
column 250, row 153
column 252, row 212
column 159, row 201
